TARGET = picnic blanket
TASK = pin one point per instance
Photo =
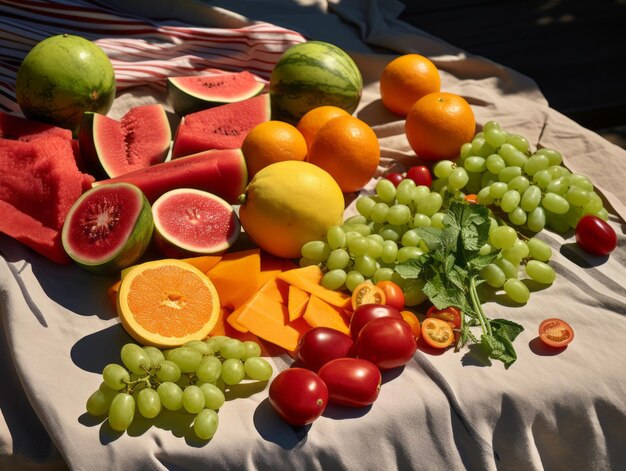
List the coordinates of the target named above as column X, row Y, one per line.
column 447, row 411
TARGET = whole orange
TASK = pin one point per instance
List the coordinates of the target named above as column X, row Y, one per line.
column 438, row 124
column 270, row 142
column 348, row 149
column 313, row 120
column 405, row 80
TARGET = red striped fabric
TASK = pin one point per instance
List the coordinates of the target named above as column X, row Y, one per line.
column 142, row 52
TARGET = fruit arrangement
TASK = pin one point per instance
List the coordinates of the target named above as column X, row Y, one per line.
column 347, row 297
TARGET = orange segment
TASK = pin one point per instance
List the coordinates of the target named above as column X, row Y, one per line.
column 166, row 303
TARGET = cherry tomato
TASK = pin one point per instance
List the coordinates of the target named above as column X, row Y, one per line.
column 367, row 293
column 352, row 382
column 437, row 333
column 411, row 319
column 471, row 198
column 320, row 345
column 395, row 178
column 450, row 314
column 595, row 235
column 394, row 296
column 388, row 342
column 421, row 175
column 555, row 332
column 366, row 312
column 299, row 396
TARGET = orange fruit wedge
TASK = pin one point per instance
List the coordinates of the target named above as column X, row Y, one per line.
column 167, row 302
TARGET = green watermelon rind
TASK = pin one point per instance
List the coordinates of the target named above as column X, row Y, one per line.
column 130, row 251
column 184, row 99
column 313, row 74
column 173, row 247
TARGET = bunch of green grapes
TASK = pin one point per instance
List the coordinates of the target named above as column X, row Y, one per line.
column 192, row 378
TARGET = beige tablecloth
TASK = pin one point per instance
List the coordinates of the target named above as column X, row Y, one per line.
column 441, row 412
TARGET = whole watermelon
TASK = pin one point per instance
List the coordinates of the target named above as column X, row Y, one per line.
column 313, row 74
column 62, row 77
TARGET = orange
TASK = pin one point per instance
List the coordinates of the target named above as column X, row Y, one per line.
column 438, row 124
column 405, row 80
column 167, row 302
column 313, row 120
column 270, row 142
column 348, row 149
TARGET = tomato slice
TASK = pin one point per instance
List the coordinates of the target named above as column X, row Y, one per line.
column 451, row 315
column 367, row 293
column 413, row 321
column 471, row 198
column 437, row 333
column 555, row 332
column 394, row 296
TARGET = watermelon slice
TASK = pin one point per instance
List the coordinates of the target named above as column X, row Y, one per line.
column 22, row 129
column 39, row 182
column 199, row 92
column 221, row 172
column 222, row 127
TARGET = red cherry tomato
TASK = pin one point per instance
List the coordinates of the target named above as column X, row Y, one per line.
column 352, row 382
column 320, row 345
column 388, row 342
column 555, row 332
column 450, row 314
column 367, row 293
column 394, row 296
column 299, row 396
column 595, row 236
column 437, row 333
column 421, row 175
column 367, row 312
column 471, row 198
column 395, row 178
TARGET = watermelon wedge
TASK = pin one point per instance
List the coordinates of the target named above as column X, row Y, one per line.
column 222, row 172
column 222, row 127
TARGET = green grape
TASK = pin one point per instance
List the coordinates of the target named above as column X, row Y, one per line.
column 352, row 234
column 554, row 157
column 536, row 219
column 421, row 220
column 542, row 178
column 121, row 412
column 168, row 371
column 258, row 368
column 232, row 371
column 193, row 399
column 149, row 403
column 495, row 137
column 408, row 253
column 466, row 150
column 519, row 184
column 518, row 216
column 516, row 253
column 357, row 245
column 509, row 173
column 495, row 164
column 315, row 250
column 555, row 203
column 389, row 253
column 334, row 279
column 510, row 270
column 213, row 396
column 135, row 358
column 581, row 181
column 484, row 196
column 485, row 249
column 364, row 205
column 458, row 178
column 186, row 358
column 374, row 248
column 487, row 179
column 410, row 239
column 413, row 292
column 365, row 264
column 99, row 401
column 385, row 190
column 510, row 200
column 391, row 232
column 443, row 168
column 171, row 395
column 405, row 190
column 336, row 237
column 602, row 213
column 199, row 346
column 251, row 349
column 577, row 196
column 491, row 124
column 399, row 214
column 356, row 219
column 362, row 229
column 474, row 183
column 512, row 156
column 493, row 275
column 540, row 272
column 338, row 259
column 379, row 212
column 439, row 185
column 538, row 249
column 557, row 222
column 594, row 205
column 376, row 238
column 516, row 290
column 156, row 355
column 558, row 171
column 535, row 163
column 231, row 348
column 382, row 274
column 558, row 185
column 498, row 189
column 210, row 369
column 215, row 342
column 573, row 215
column 115, row 376
column 436, row 220
column 430, row 204
column 520, row 142
column 419, row 193
column 353, row 279
column 205, row 424
column 481, row 147
column 530, row 198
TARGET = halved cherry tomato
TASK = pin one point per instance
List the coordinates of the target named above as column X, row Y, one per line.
column 394, row 296
column 471, row 198
column 413, row 321
column 367, row 293
column 555, row 332
column 450, row 314
column 437, row 333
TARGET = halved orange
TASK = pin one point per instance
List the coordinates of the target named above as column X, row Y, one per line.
column 167, row 302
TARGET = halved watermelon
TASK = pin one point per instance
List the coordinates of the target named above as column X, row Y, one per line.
column 222, row 172
column 22, row 129
column 111, row 148
column 199, row 92
column 222, row 127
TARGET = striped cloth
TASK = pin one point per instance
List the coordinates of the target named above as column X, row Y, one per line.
column 142, row 52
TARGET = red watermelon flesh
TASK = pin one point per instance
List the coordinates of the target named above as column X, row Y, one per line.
column 221, row 127
column 39, row 182
column 222, row 172
column 22, row 129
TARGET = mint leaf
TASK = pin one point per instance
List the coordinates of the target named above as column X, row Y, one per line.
column 410, row 270
column 431, row 237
